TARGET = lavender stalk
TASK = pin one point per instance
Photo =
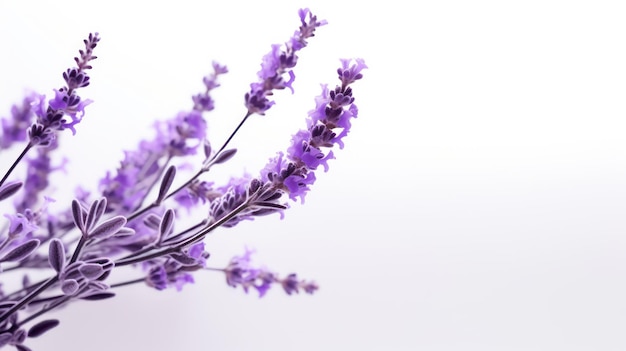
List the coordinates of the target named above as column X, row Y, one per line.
column 116, row 229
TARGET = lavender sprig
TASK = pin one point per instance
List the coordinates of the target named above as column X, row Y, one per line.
column 177, row 137
column 274, row 66
column 83, row 245
column 51, row 116
column 278, row 63
column 241, row 273
column 14, row 128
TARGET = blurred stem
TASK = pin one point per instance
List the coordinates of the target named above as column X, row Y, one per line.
column 17, row 161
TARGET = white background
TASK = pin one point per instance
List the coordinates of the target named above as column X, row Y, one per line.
column 478, row 205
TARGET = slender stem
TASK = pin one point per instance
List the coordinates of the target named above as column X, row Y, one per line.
column 17, row 161
column 140, row 212
column 200, row 224
column 28, row 298
column 248, row 114
column 172, row 193
column 189, row 241
column 4, row 244
column 130, row 282
column 41, row 288
column 155, row 180
column 152, row 247
column 22, row 290
column 61, row 300
column 209, row 162
column 138, row 252
column 79, row 248
column 197, row 175
column 215, row 269
column 201, row 234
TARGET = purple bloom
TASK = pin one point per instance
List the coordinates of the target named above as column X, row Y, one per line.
column 178, row 136
column 196, row 192
column 198, row 253
column 291, row 285
column 204, row 101
column 14, row 128
column 157, row 278
column 278, row 63
column 240, row 272
column 168, row 275
column 294, row 172
column 128, row 225
column 350, row 73
column 20, row 225
column 66, row 102
column 38, row 172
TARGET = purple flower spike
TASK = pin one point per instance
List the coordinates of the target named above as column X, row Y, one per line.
column 66, row 101
column 291, row 285
column 204, row 101
column 14, row 128
column 137, row 221
column 294, row 172
column 240, row 272
column 20, row 225
column 350, row 73
column 278, row 63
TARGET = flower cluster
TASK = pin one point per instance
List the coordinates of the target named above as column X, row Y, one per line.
column 137, row 224
column 279, row 62
column 241, row 272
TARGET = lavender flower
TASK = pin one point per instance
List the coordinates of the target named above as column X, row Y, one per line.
column 278, row 63
column 39, row 169
column 135, row 223
column 14, row 128
column 294, row 172
column 66, row 101
column 240, row 272
column 177, row 137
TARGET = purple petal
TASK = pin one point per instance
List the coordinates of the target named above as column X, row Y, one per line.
column 207, row 149
column 22, row 251
column 183, row 259
column 21, row 347
column 9, row 189
column 91, row 271
column 166, row 183
column 42, row 327
column 167, row 222
column 98, row 286
column 102, row 206
column 225, row 156
column 69, row 287
column 77, row 213
column 152, row 221
column 5, row 338
column 124, row 232
column 108, row 228
column 96, row 210
column 56, row 254
column 98, row 296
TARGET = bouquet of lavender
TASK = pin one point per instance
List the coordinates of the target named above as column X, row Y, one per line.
column 136, row 219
